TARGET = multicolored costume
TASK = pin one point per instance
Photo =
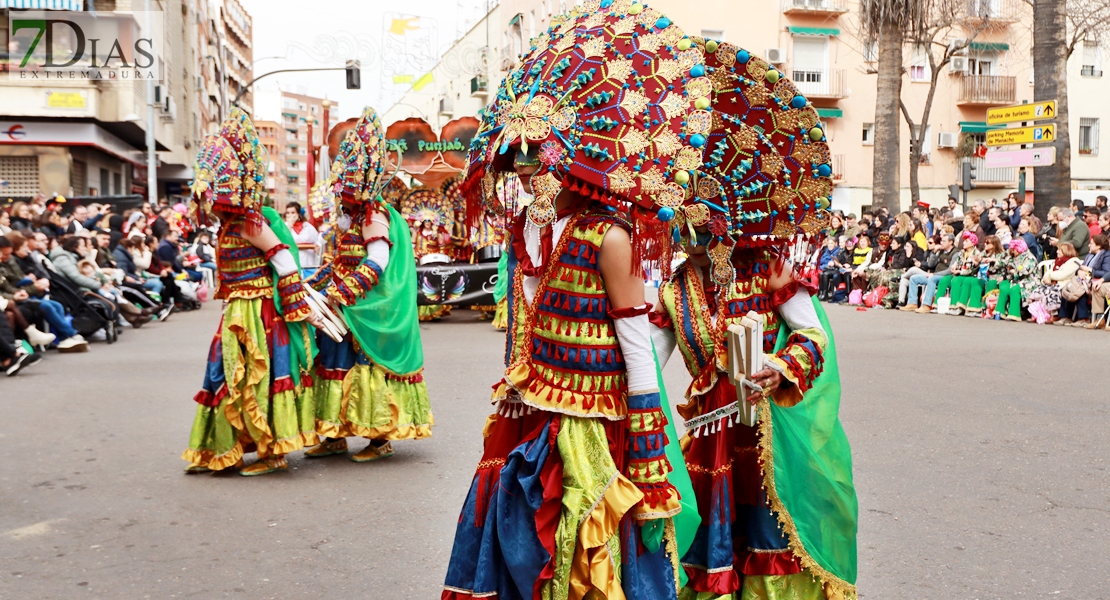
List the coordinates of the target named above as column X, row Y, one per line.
column 574, row 495
column 501, row 294
column 372, row 383
column 257, row 389
column 777, row 501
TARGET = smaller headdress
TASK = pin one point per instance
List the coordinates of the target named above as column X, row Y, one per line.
column 357, row 173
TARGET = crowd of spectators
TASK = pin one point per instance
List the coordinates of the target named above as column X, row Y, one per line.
column 998, row 261
column 70, row 275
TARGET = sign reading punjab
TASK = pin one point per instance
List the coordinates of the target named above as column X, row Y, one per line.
column 1016, row 113
column 1042, row 134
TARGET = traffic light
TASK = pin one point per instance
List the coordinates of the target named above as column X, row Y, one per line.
column 968, row 173
column 354, row 75
column 954, row 191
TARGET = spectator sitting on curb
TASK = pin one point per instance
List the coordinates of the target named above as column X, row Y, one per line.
column 947, row 257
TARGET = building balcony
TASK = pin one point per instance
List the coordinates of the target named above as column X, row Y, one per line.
column 993, row 12
column 823, row 8
column 1090, row 71
column 987, row 90
column 821, row 83
column 998, row 177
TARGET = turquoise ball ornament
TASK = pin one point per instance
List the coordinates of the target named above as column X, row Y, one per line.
column 798, row 102
column 697, row 71
column 697, row 140
column 665, row 214
column 824, row 170
column 743, row 57
column 663, row 23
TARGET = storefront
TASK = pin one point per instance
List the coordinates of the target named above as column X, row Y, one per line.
column 67, row 158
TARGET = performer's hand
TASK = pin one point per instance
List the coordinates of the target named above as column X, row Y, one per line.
column 768, row 379
column 316, row 320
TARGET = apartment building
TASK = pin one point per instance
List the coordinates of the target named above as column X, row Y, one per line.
column 78, row 137
column 817, row 43
column 461, row 82
column 286, row 117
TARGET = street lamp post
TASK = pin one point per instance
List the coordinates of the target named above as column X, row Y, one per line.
column 151, row 155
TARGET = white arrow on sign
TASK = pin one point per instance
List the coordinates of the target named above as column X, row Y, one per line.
column 1032, row 157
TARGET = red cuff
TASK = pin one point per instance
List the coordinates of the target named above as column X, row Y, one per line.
column 272, row 251
column 660, row 320
column 785, row 293
column 631, row 311
column 379, row 238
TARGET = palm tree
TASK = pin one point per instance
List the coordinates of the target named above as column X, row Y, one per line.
column 1050, row 81
column 889, row 23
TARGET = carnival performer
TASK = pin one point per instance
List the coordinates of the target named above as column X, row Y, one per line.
column 777, row 501
column 574, row 495
column 257, row 390
column 431, row 245
column 371, row 384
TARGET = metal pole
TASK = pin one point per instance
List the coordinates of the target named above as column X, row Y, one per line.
column 246, row 87
column 151, row 155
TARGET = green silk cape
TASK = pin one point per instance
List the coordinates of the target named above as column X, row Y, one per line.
column 502, row 286
column 810, row 482
column 384, row 321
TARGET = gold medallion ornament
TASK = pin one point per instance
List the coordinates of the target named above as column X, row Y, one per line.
column 720, row 254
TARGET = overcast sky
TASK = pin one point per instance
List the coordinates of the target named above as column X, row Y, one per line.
column 325, row 33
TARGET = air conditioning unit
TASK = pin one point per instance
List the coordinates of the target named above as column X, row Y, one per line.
column 947, row 139
column 775, row 56
column 479, row 86
column 958, row 46
column 958, row 66
column 168, row 108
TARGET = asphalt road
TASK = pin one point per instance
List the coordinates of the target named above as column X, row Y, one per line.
column 980, row 460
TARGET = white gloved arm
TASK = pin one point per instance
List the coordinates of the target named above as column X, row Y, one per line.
column 634, row 336
column 664, row 342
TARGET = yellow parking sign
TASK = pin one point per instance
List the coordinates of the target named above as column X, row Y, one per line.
column 1041, row 134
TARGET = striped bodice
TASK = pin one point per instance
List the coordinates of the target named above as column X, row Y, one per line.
column 243, row 270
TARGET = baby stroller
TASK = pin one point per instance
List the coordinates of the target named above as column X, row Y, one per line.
column 90, row 314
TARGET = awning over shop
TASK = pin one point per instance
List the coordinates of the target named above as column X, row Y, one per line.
column 988, row 46
column 78, row 5
column 825, row 31
column 830, row 113
column 978, row 127
column 515, row 19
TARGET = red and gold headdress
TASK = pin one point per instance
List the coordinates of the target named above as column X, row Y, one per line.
column 611, row 97
column 765, row 177
column 357, row 173
column 230, row 171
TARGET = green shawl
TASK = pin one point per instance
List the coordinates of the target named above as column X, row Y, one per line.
column 502, row 285
column 302, row 341
column 809, row 483
column 384, row 321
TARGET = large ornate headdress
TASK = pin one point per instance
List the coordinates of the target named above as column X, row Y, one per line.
column 357, row 173
column 765, row 177
column 230, row 171
column 614, row 97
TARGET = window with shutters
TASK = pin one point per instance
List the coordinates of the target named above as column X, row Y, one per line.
column 19, row 175
column 79, row 177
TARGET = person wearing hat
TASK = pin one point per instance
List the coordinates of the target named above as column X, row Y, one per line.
column 575, row 495
column 369, row 384
column 257, row 388
column 963, row 282
column 778, row 512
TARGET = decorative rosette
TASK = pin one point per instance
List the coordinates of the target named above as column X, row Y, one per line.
column 765, row 177
column 360, row 164
column 604, row 95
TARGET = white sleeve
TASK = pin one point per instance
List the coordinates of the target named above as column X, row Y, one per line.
column 378, row 251
column 283, row 262
column 798, row 312
column 639, row 360
column 664, row 342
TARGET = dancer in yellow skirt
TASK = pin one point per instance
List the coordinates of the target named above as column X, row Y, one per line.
column 257, row 392
column 371, row 384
